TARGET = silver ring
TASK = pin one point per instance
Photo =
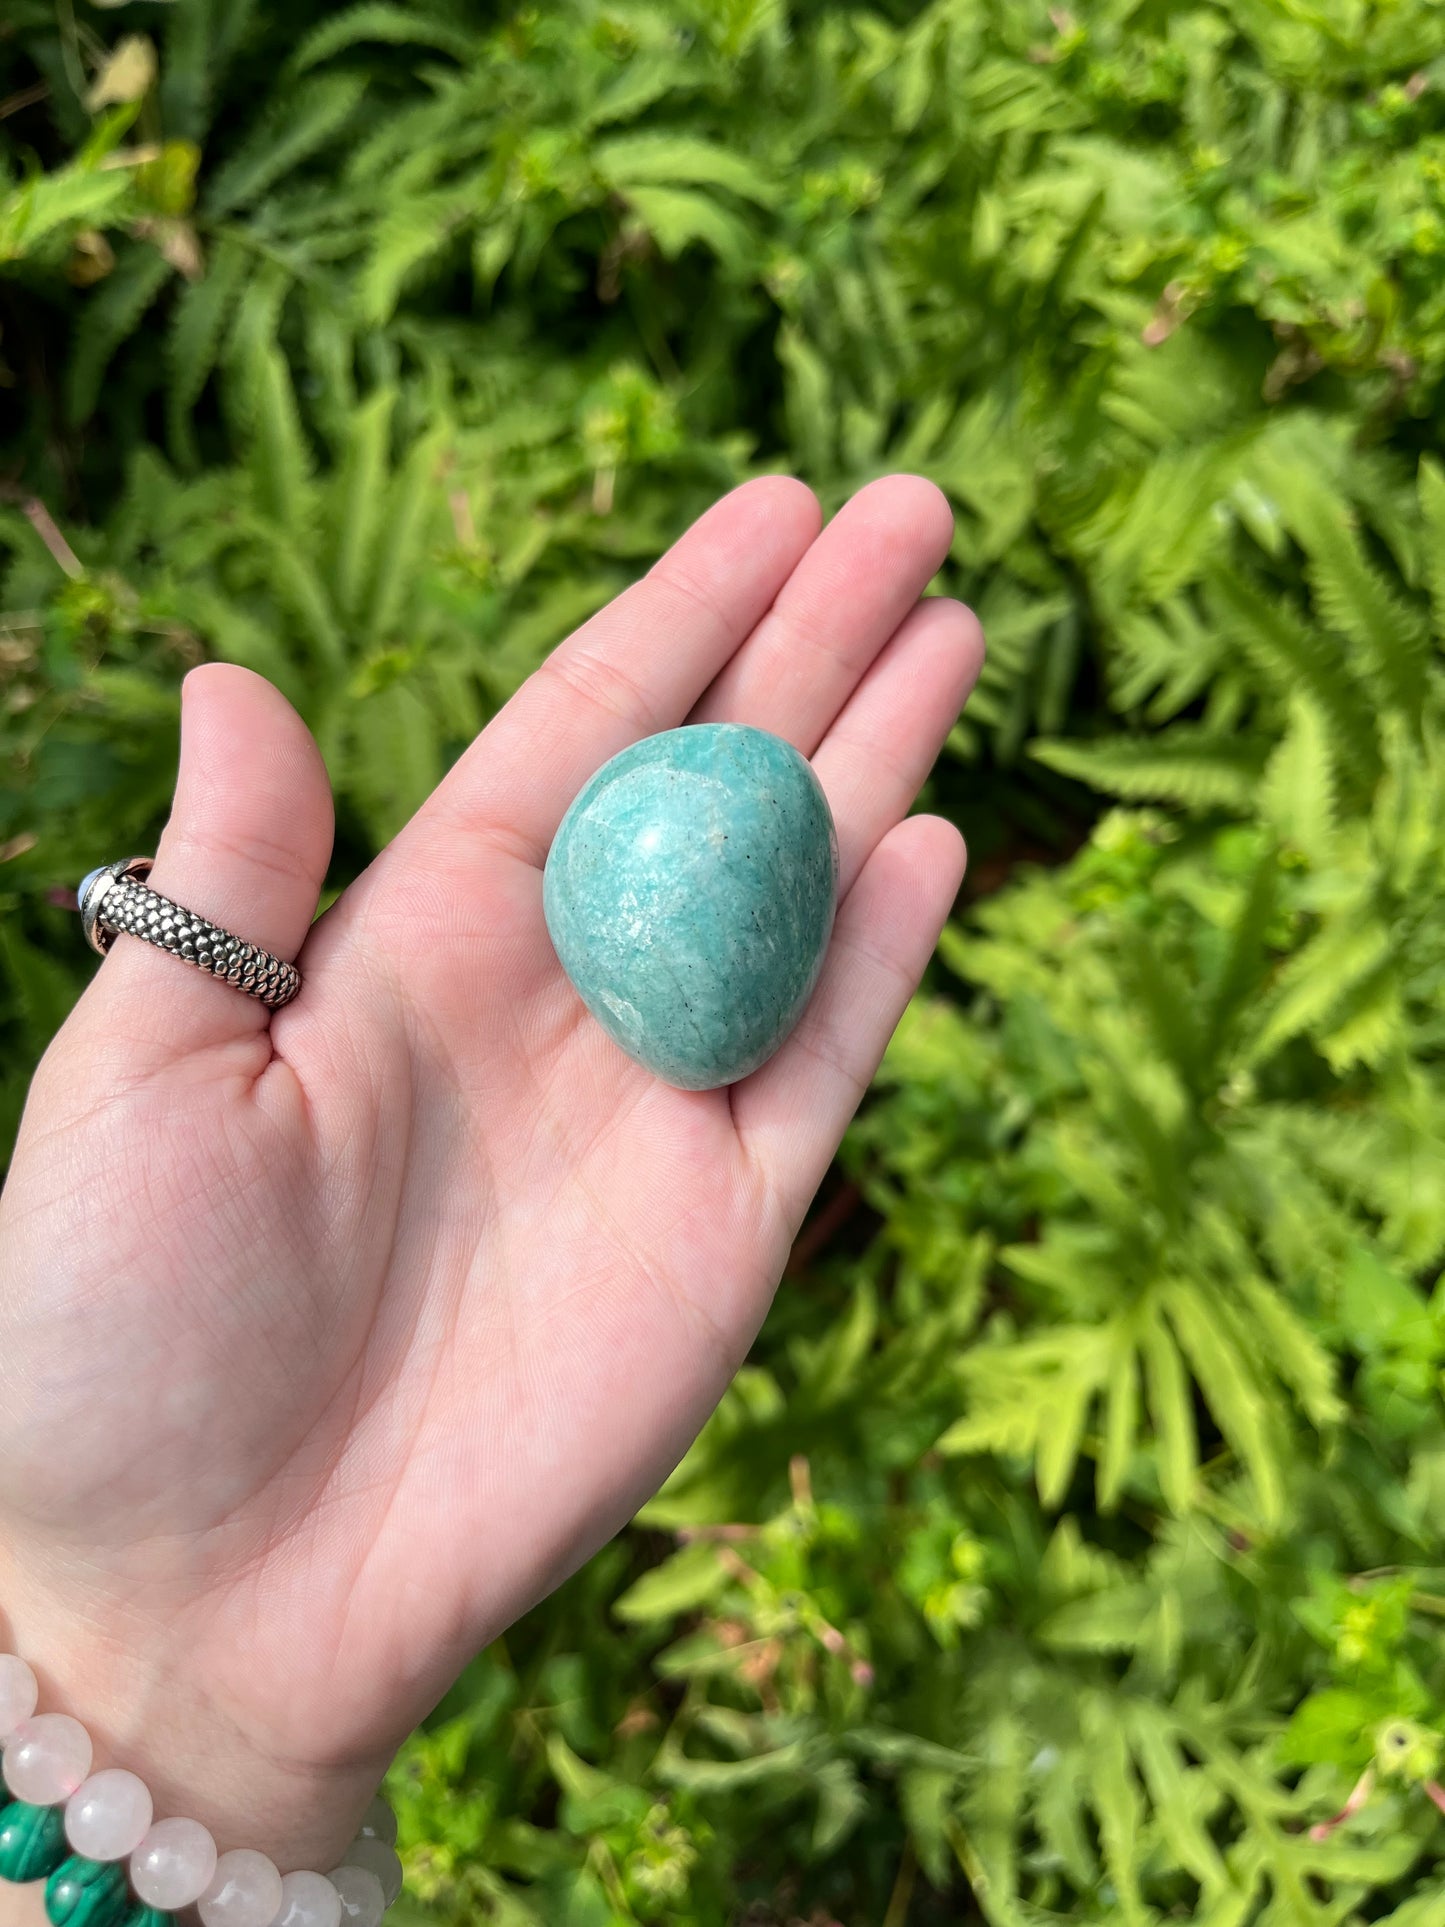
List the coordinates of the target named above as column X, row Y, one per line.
column 115, row 899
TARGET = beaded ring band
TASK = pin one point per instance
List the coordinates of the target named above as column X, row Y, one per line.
column 108, row 1862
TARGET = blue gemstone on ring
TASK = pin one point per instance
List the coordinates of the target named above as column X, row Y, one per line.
column 85, row 884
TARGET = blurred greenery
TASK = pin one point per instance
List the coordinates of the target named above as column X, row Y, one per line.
column 1073, row 1544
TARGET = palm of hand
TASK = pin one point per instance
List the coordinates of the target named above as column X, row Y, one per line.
column 328, row 1345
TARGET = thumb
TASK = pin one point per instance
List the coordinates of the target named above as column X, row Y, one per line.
column 246, row 846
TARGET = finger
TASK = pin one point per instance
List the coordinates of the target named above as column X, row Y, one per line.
column 875, row 758
column 791, row 1114
column 247, row 845
column 840, row 605
column 635, row 668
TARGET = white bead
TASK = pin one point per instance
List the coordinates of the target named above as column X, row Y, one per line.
column 308, row 1900
column 246, row 1891
column 362, row 1901
column 108, row 1817
column 377, row 1858
column 378, row 1823
column 46, row 1758
column 173, row 1865
column 19, row 1694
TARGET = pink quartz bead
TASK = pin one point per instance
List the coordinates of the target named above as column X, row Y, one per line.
column 19, row 1694
column 109, row 1816
column 308, row 1900
column 377, row 1858
column 173, row 1865
column 378, row 1823
column 362, row 1901
column 246, row 1891
column 46, row 1758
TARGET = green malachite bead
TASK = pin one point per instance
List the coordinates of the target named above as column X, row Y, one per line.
column 87, row 1893
column 689, row 895
column 142, row 1916
column 32, row 1841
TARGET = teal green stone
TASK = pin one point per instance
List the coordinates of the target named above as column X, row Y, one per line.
column 32, row 1841
column 87, row 1893
column 142, row 1916
column 689, row 894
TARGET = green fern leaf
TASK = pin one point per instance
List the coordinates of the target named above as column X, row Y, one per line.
column 676, row 218
column 1059, row 1811
column 1183, row 765
column 1165, row 658
column 1356, row 600
column 1245, row 962
column 392, row 758
column 111, row 317
column 1117, row 1800
column 391, row 26
column 300, row 125
column 812, row 417
column 413, row 497
column 39, row 211
column 1406, row 818
column 254, row 328
column 1112, row 1621
column 1153, row 1744
column 1432, row 514
column 1060, row 1434
column 1318, row 978
column 1293, row 1351
column 1172, row 1410
column 1121, row 1420
column 1297, row 797
column 1231, row 1391
column 1295, row 660
column 407, row 237
column 361, row 496
column 1368, row 1023
column 200, row 319
column 280, row 458
column 679, row 160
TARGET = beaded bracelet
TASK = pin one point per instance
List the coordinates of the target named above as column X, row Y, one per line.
column 73, row 1829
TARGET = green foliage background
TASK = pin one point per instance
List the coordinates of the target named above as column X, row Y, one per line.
column 1074, row 1541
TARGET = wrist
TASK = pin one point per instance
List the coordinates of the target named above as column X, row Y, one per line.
column 144, row 1694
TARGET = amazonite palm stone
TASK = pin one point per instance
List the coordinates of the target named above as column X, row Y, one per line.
column 690, row 894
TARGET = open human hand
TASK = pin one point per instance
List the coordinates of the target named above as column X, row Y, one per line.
column 331, row 1340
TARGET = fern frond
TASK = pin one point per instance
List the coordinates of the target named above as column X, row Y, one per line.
column 680, row 160
column 1164, row 658
column 1297, row 796
column 1183, row 765
column 412, row 498
column 409, row 236
column 360, row 492
column 1368, row 1023
column 1232, row 1391
column 296, row 129
column 110, row 318
column 1318, row 978
column 201, row 315
column 1295, row 659
column 385, row 25
column 1355, row 599
column 676, row 218
column 38, row 213
column 1432, row 515
column 281, row 461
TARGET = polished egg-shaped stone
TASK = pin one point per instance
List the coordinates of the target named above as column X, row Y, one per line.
column 690, row 893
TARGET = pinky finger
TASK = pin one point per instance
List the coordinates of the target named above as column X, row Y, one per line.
column 791, row 1114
